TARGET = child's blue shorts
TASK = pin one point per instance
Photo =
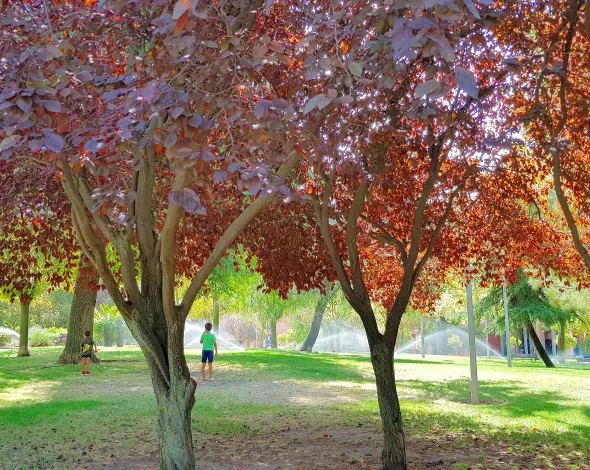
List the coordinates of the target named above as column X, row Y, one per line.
column 207, row 355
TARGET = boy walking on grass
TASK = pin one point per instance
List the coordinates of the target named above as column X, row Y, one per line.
column 209, row 345
column 86, row 352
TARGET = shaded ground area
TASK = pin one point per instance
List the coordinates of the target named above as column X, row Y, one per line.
column 278, row 410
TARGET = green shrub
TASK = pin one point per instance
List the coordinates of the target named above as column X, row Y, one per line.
column 5, row 339
column 585, row 347
column 110, row 328
column 287, row 339
column 40, row 337
column 56, row 330
column 455, row 342
column 570, row 341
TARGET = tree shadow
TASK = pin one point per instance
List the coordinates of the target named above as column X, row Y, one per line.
column 517, row 400
column 26, row 415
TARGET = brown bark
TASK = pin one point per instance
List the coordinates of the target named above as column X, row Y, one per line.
column 316, row 323
column 82, row 312
column 537, row 342
column 23, row 341
column 175, row 399
column 174, row 429
column 394, row 454
column 173, row 387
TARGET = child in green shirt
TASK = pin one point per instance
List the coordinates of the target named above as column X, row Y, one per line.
column 86, row 352
column 209, row 345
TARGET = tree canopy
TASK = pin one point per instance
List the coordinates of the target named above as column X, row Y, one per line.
column 410, row 139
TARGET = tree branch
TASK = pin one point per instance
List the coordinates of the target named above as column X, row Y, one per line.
column 386, row 237
column 322, row 212
column 230, row 235
column 144, row 218
column 416, row 233
column 168, row 245
column 358, row 283
column 556, row 151
column 442, row 221
column 565, row 208
column 131, row 205
column 88, row 238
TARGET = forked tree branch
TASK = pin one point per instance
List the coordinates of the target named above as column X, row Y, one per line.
column 322, row 212
column 556, row 151
column 89, row 240
column 386, row 237
column 439, row 226
column 119, row 241
column 229, row 236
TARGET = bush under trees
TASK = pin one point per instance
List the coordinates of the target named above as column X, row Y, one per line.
column 109, row 327
column 41, row 337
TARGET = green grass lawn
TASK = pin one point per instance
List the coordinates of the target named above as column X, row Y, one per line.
column 52, row 417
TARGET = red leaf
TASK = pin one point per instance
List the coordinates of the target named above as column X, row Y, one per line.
column 181, row 23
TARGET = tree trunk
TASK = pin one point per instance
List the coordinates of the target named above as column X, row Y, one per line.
column 537, row 342
column 316, row 323
column 173, row 387
column 394, row 447
column 23, row 342
column 273, row 332
column 215, row 314
column 174, row 431
column 561, row 343
column 82, row 312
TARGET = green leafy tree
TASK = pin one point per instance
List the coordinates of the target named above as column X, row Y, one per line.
column 527, row 304
column 455, row 342
column 232, row 284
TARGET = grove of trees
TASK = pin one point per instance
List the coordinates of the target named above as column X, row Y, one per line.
column 382, row 147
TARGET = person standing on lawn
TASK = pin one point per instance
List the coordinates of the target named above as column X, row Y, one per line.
column 86, row 352
column 209, row 345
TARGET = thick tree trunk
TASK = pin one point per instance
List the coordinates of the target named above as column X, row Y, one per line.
column 394, row 447
column 273, row 332
column 316, row 323
column 23, row 342
column 82, row 312
column 173, row 387
column 174, row 427
column 537, row 342
column 561, row 343
column 215, row 314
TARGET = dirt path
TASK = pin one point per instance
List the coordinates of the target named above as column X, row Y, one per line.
column 296, row 440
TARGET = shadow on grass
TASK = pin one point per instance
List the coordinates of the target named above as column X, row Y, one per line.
column 519, row 400
column 444, row 426
column 502, row 421
column 36, row 413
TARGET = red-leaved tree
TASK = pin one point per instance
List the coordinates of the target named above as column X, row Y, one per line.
column 37, row 246
column 397, row 103
column 159, row 121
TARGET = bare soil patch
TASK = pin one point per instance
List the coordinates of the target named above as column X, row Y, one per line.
column 302, row 441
